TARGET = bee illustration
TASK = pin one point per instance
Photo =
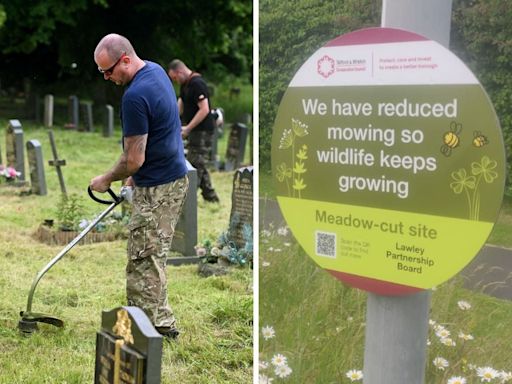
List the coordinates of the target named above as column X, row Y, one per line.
column 479, row 140
column 451, row 139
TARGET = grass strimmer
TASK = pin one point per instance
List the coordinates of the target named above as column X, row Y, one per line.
column 28, row 323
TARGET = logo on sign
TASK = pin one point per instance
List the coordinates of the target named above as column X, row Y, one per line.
column 326, row 66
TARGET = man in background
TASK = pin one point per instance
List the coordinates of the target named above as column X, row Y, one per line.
column 199, row 123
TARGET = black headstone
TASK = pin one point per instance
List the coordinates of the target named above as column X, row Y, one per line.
column 36, row 167
column 108, row 128
column 185, row 233
column 14, row 147
column 86, row 107
column 73, row 112
column 241, row 205
column 128, row 348
column 236, row 146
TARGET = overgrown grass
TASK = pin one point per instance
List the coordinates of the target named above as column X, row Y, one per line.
column 319, row 323
column 214, row 314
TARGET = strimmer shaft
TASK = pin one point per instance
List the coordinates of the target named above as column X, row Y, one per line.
column 63, row 252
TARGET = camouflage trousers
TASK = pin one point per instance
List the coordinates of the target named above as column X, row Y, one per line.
column 199, row 147
column 154, row 216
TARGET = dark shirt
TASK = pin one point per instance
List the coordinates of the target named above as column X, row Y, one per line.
column 191, row 93
column 149, row 107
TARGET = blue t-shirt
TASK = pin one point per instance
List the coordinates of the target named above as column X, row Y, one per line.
column 149, row 107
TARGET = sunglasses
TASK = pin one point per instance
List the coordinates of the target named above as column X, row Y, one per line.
column 110, row 70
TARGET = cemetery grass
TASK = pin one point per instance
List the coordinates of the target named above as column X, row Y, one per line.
column 214, row 314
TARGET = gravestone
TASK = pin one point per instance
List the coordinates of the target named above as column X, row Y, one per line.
column 57, row 163
column 73, row 112
column 236, row 146
column 241, row 205
column 14, row 149
column 36, row 167
column 86, row 107
column 108, row 129
column 128, row 348
column 48, row 111
column 185, row 233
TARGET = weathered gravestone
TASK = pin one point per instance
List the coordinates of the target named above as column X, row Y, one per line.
column 36, row 167
column 57, row 163
column 236, row 146
column 108, row 128
column 241, row 205
column 48, row 111
column 185, row 233
column 128, row 348
column 14, row 148
column 73, row 112
column 86, row 107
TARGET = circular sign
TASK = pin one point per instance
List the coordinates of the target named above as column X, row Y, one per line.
column 389, row 161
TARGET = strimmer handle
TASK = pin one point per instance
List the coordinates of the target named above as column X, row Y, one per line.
column 116, row 199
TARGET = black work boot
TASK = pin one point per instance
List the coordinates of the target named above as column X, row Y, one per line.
column 169, row 333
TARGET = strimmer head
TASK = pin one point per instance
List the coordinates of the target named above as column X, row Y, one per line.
column 28, row 323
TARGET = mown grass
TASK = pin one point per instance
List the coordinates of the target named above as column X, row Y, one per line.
column 319, row 323
column 214, row 314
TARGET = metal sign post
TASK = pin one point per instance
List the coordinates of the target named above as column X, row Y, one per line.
column 397, row 326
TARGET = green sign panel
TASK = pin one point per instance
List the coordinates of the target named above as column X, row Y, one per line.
column 389, row 161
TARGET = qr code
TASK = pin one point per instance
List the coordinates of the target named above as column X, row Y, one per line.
column 325, row 244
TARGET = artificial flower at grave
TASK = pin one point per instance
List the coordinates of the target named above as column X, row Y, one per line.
column 8, row 174
column 225, row 251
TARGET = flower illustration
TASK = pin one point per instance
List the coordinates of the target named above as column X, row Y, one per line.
column 354, row 375
column 286, row 140
column 268, row 332
column 485, row 168
column 440, row 363
column 283, row 172
column 303, row 153
column 487, row 373
column 299, row 168
column 462, row 181
column 299, row 128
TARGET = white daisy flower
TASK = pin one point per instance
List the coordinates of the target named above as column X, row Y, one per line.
column 442, row 333
column 465, row 336
column 431, row 322
column 440, row 363
column 282, row 371
column 279, row 360
column 268, row 332
column 283, row 231
column 265, row 264
column 464, row 305
column 263, row 379
column 487, row 373
column 505, row 376
column 263, row 365
column 287, row 244
column 448, row 342
column 456, row 380
column 266, row 233
column 354, row 375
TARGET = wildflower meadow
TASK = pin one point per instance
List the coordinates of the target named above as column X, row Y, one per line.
column 312, row 327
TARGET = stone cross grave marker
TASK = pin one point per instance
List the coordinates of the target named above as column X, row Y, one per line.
column 236, row 146
column 241, row 205
column 48, row 111
column 73, row 112
column 36, row 167
column 14, row 148
column 57, row 163
column 128, row 348
column 108, row 128
column 185, row 233
column 87, row 116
